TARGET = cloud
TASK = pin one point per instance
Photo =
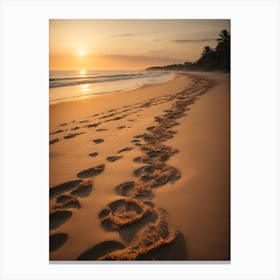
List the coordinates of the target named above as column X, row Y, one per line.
column 126, row 35
column 138, row 61
column 140, row 57
column 183, row 41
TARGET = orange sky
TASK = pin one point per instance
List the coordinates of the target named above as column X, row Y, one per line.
column 129, row 44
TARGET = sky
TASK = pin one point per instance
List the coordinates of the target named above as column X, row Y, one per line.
column 129, row 44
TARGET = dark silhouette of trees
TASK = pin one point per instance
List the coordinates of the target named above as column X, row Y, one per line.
column 218, row 58
column 206, row 58
column 223, row 49
column 210, row 59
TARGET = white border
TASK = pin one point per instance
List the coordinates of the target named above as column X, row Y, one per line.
column 254, row 130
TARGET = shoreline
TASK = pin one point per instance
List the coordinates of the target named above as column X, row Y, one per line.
column 106, row 141
column 106, row 87
column 90, row 100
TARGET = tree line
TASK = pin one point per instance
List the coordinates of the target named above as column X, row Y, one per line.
column 217, row 58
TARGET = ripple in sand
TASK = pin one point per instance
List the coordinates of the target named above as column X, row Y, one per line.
column 100, row 250
column 57, row 240
column 58, row 218
column 91, row 172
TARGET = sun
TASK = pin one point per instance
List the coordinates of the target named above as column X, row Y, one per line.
column 81, row 53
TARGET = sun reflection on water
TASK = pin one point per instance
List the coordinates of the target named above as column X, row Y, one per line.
column 82, row 72
column 84, row 87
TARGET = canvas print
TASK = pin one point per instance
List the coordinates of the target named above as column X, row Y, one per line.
column 139, row 140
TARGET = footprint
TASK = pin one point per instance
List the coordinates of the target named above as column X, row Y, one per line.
column 113, row 158
column 139, row 159
column 57, row 240
column 95, row 154
column 83, row 190
column 91, row 172
column 125, row 150
column 93, row 124
column 125, row 188
column 105, row 212
column 64, row 187
column 121, row 127
column 159, row 174
column 58, row 218
column 150, row 128
column 63, row 198
column 123, row 212
column 100, row 250
column 72, row 203
column 128, row 232
column 114, row 119
column 138, row 136
column 54, row 141
column 152, row 236
column 174, row 251
column 155, row 153
column 98, row 140
column 57, row 131
column 72, row 135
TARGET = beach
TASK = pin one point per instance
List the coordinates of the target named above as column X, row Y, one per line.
column 143, row 174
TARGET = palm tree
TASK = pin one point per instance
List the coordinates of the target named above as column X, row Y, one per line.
column 223, row 48
column 224, row 36
column 206, row 56
column 206, row 50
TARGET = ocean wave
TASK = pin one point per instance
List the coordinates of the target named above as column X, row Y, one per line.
column 77, row 80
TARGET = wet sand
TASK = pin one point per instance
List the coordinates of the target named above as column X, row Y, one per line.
column 142, row 174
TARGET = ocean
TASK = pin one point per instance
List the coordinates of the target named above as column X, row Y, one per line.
column 69, row 85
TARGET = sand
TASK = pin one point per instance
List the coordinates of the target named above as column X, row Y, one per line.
column 142, row 174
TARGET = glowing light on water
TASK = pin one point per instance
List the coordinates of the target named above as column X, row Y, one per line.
column 84, row 87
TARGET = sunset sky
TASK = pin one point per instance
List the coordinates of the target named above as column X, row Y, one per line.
column 129, row 44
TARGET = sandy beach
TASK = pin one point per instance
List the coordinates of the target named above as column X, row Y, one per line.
column 143, row 174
